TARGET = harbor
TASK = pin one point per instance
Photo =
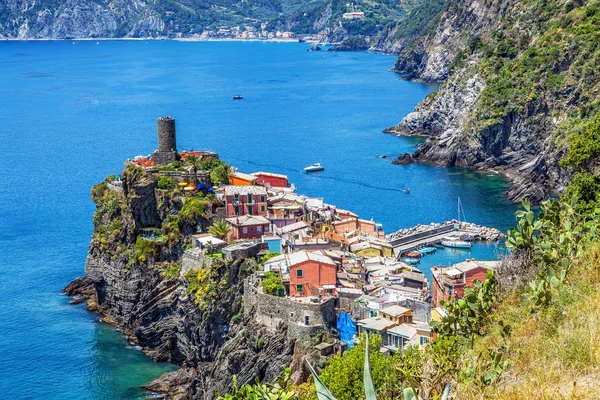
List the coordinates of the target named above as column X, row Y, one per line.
column 408, row 239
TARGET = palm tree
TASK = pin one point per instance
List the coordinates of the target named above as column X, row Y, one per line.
column 219, row 229
column 195, row 162
column 221, row 174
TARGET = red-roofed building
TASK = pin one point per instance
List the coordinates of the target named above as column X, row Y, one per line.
column 273, row 180
column 451, row 281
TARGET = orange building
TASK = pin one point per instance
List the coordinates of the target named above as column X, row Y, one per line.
column 241, row 179
column 371, row 228
column 311, row 274
column 451, row 281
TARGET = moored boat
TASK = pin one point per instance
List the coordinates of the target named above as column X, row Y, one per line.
column 427, row 250
column 456, row 244
column 411, row 261
column 314, row 168
column 413, row 254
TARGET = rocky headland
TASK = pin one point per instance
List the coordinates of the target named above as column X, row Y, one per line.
column 196, row 320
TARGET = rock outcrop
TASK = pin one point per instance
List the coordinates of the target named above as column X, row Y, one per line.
column 515, row 90
column 427, row 57
column 194, row 320
column 36, row 19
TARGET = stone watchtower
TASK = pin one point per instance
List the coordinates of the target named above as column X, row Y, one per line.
column 167, row 141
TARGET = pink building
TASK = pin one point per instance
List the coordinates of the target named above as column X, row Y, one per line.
column 242, row 200
column 247, row 227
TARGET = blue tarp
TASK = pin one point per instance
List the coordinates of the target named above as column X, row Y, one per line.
column 347, row 328
column 211, row 189
column 200, row 186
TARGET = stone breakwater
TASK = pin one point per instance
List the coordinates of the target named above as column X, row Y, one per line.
column 478, row 232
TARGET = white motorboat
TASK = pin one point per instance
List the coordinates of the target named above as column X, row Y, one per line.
column 314, row 168
column 456, row 244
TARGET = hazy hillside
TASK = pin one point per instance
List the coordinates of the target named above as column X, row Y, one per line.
column 170, row 18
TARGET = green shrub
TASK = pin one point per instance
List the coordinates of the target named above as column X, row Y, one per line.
column 272, row 283
column 165, row 183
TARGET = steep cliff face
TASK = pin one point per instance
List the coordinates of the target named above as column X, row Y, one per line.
column 518, row 86
column 427, row 57
column 134, row 282
column 32, row 19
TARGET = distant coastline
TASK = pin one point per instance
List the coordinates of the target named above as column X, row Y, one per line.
column 182, row 39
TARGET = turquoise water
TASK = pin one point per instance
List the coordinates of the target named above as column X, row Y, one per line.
column 71, row 113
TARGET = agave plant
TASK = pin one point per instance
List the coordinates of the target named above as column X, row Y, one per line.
column 324, row 394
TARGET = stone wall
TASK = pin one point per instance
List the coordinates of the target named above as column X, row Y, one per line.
column 194, row 259
column 180, row 176
column 271, row 311
column 243, row 250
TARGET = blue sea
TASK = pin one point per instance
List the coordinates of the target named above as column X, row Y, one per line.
column 72, row 112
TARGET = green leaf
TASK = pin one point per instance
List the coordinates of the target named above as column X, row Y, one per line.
column 368, row 381
column 529, row 217
column 322, row 391
column 554, row 281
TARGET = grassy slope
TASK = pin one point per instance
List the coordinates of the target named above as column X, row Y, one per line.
column 555, row 352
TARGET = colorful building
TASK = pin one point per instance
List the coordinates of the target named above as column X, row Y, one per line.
column 242, row 200
column 311, row 274
column 451, row 281
column 372, row 247
column 270, row 179
column 241, row 179
column 247, row 227
column 286, row 210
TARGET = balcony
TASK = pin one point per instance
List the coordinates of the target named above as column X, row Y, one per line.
column 454, row 281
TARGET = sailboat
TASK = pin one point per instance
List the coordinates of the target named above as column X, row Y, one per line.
column 455, row 243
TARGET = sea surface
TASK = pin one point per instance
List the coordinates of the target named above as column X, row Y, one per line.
column 72, row 112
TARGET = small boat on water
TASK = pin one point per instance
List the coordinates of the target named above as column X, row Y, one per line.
column 456, row 244
column 413, row 254
column 314, row 168
column 427, row 250
column 411, row 261
column 406, row 190
column 237, row 97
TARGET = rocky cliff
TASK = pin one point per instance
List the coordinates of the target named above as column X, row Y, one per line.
column 133, row 280
column 518, row 86
column 49, row 19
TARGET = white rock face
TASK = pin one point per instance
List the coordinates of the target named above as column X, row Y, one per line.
column 81, row 19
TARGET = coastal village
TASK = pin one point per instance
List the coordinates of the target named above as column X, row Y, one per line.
column 322, row 267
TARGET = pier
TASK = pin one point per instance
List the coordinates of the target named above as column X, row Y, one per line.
column 423, row 235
